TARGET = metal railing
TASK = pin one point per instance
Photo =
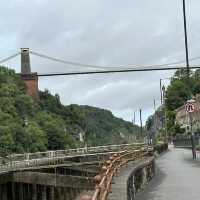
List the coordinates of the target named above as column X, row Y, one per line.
column 57, row 153
column 27, row 160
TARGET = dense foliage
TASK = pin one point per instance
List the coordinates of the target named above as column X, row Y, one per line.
column 180, row 90
column 29, row 126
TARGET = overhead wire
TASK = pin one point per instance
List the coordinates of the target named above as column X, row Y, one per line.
column 116, row 71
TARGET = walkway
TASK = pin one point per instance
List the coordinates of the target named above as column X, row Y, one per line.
column 119, row 188
column 177, row 178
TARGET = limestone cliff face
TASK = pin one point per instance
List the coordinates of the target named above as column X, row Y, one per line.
column 157, row 122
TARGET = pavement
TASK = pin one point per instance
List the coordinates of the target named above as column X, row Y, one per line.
column 177, row 177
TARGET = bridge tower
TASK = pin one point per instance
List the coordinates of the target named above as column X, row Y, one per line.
column 30, row 78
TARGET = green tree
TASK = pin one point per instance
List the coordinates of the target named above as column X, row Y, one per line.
column 149, row 122
column 24, row 105
column 177, row 94
column 6, row 140
column 55, row 130
column 35, row 138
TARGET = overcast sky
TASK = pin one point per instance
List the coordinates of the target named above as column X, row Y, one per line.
column 101, row 32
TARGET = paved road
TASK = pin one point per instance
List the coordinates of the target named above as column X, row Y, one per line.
column 177, row 178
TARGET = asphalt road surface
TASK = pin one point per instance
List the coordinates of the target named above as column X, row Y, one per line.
column 177, row 178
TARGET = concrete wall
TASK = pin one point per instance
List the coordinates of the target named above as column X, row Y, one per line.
column 23, row 191
column 29, row 185
column 142, row 173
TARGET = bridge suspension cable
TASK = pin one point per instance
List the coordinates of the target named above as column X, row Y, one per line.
column 9, row 57
column 77, row 64
column 104, row 69
column 66, row 62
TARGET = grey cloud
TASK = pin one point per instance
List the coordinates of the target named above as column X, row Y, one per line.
column 100, row 32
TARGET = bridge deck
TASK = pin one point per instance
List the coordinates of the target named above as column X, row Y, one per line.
column 177, row 178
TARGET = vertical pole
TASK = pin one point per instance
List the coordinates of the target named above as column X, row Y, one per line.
column 166, row 133
column 165, row 113
column 186, row 39
column 161, row 99
column 154, row 122
column 134, row 118
column 141, row 121
column 192, row 138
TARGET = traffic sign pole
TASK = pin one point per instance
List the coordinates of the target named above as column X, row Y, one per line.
column 190, row 108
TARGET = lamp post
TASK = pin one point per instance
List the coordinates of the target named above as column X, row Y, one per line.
column 165, row 113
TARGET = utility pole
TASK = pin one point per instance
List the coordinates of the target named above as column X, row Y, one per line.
column 161, row 96
column 134, row 118
column 141, row 131
column 192, row 138
column 165, row 113
column 190, row 109
column 154, row 122
column 186, row 40
column 154, row 104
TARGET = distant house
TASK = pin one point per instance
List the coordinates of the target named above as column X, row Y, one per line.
column 183, row 119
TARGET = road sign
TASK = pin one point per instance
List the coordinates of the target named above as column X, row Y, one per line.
column 190, row 107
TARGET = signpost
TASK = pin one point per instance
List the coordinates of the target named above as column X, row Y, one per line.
column 190, row 108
